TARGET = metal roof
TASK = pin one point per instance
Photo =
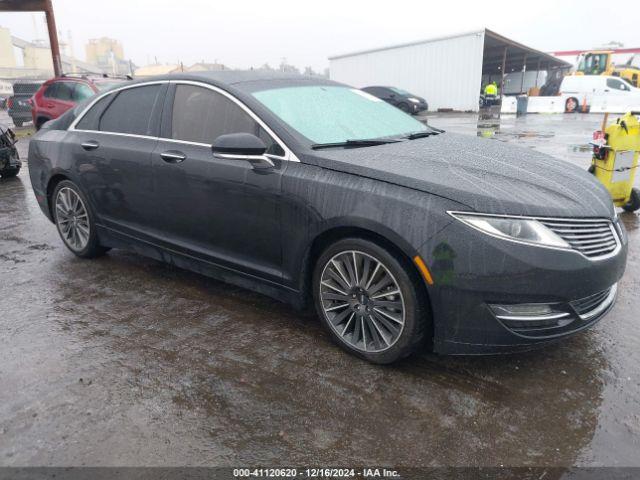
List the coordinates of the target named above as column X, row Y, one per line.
column 494, row 47
column 517, row 55
column 403, row 45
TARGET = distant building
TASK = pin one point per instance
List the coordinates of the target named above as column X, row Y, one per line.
column 157, row 69
column 448, row 71
column 164, row 69
column 102, row 50
column 206, row 67
column 32, row 59
column 7, row 55
column 108, row 54
column 37, row 56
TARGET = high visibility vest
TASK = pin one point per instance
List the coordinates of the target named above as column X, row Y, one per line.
column 491, row 89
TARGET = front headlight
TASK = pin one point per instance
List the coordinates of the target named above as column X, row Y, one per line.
column 519, row 229
column 414, row 100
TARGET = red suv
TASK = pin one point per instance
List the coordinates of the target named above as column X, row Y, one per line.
column 59, row 94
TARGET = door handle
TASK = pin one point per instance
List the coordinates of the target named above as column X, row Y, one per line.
column 90, row 145
column 50, row 105
column 173, row 156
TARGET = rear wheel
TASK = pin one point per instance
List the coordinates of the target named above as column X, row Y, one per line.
column 75, row 221
column 369, row 301
column 571, row 105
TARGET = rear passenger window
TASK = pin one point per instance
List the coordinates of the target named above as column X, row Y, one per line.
column 92, row 117
column 202, row 115
column 131, row 111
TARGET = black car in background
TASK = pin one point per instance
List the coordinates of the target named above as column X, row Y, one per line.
column 18, row 105
column 405, row 101
column 316, row 193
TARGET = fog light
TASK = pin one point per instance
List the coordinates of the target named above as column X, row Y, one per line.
column 531, row 315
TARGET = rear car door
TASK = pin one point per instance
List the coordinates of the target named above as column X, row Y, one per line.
column 112, row 147
column 220, row 210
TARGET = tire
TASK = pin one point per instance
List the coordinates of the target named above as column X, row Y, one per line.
column 634, row 201
column 69, row 214
column 378, row 328
column 571, row 105
column 404, row 107
column 9, row 172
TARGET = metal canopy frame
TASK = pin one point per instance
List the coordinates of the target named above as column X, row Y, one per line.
column 39, row 6
column 502, row 55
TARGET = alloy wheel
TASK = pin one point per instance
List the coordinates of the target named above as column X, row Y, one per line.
column 72, row 219
column 362, row 301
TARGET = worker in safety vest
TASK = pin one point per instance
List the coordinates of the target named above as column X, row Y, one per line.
column 491, row 89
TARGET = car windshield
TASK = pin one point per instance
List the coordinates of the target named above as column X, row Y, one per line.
column 333, row 114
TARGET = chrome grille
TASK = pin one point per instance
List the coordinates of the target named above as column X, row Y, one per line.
column 592, row 238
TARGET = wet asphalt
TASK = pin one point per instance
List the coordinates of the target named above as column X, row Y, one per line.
column 124, row 360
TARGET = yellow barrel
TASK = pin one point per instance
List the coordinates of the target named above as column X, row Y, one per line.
column 618, row 168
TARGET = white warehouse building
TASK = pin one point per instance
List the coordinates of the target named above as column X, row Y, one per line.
column 448, row 72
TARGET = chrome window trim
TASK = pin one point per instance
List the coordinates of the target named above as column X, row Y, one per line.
column 72, row 127
column 288, row 153
column 614, row 231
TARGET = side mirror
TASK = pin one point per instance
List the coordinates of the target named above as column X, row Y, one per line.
column 242, row 146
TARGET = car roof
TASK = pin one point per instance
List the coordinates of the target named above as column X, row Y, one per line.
column 245, row 80
column 86, row 78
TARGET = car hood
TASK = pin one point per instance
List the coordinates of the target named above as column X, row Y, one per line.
column 485, row 175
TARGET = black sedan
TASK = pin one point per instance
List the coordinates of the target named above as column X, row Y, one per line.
column 314, row 192
column 405, row 101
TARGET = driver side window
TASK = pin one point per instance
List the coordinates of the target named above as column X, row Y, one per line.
column 202, row 115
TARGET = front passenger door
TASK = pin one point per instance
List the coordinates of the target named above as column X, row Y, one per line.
column 219, row 210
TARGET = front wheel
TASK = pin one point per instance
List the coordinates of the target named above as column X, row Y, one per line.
column 369, row 301
column 75, row 221
column 404, row 107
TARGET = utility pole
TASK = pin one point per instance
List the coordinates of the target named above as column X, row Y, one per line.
column 53, row 38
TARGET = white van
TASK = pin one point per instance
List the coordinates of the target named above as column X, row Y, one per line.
column 600, row 90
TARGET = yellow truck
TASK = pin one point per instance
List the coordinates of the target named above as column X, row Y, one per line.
column 600, row 62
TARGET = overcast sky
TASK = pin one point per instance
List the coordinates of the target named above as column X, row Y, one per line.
column 243, row 33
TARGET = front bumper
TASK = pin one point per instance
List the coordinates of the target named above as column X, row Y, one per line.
column 473, row 271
